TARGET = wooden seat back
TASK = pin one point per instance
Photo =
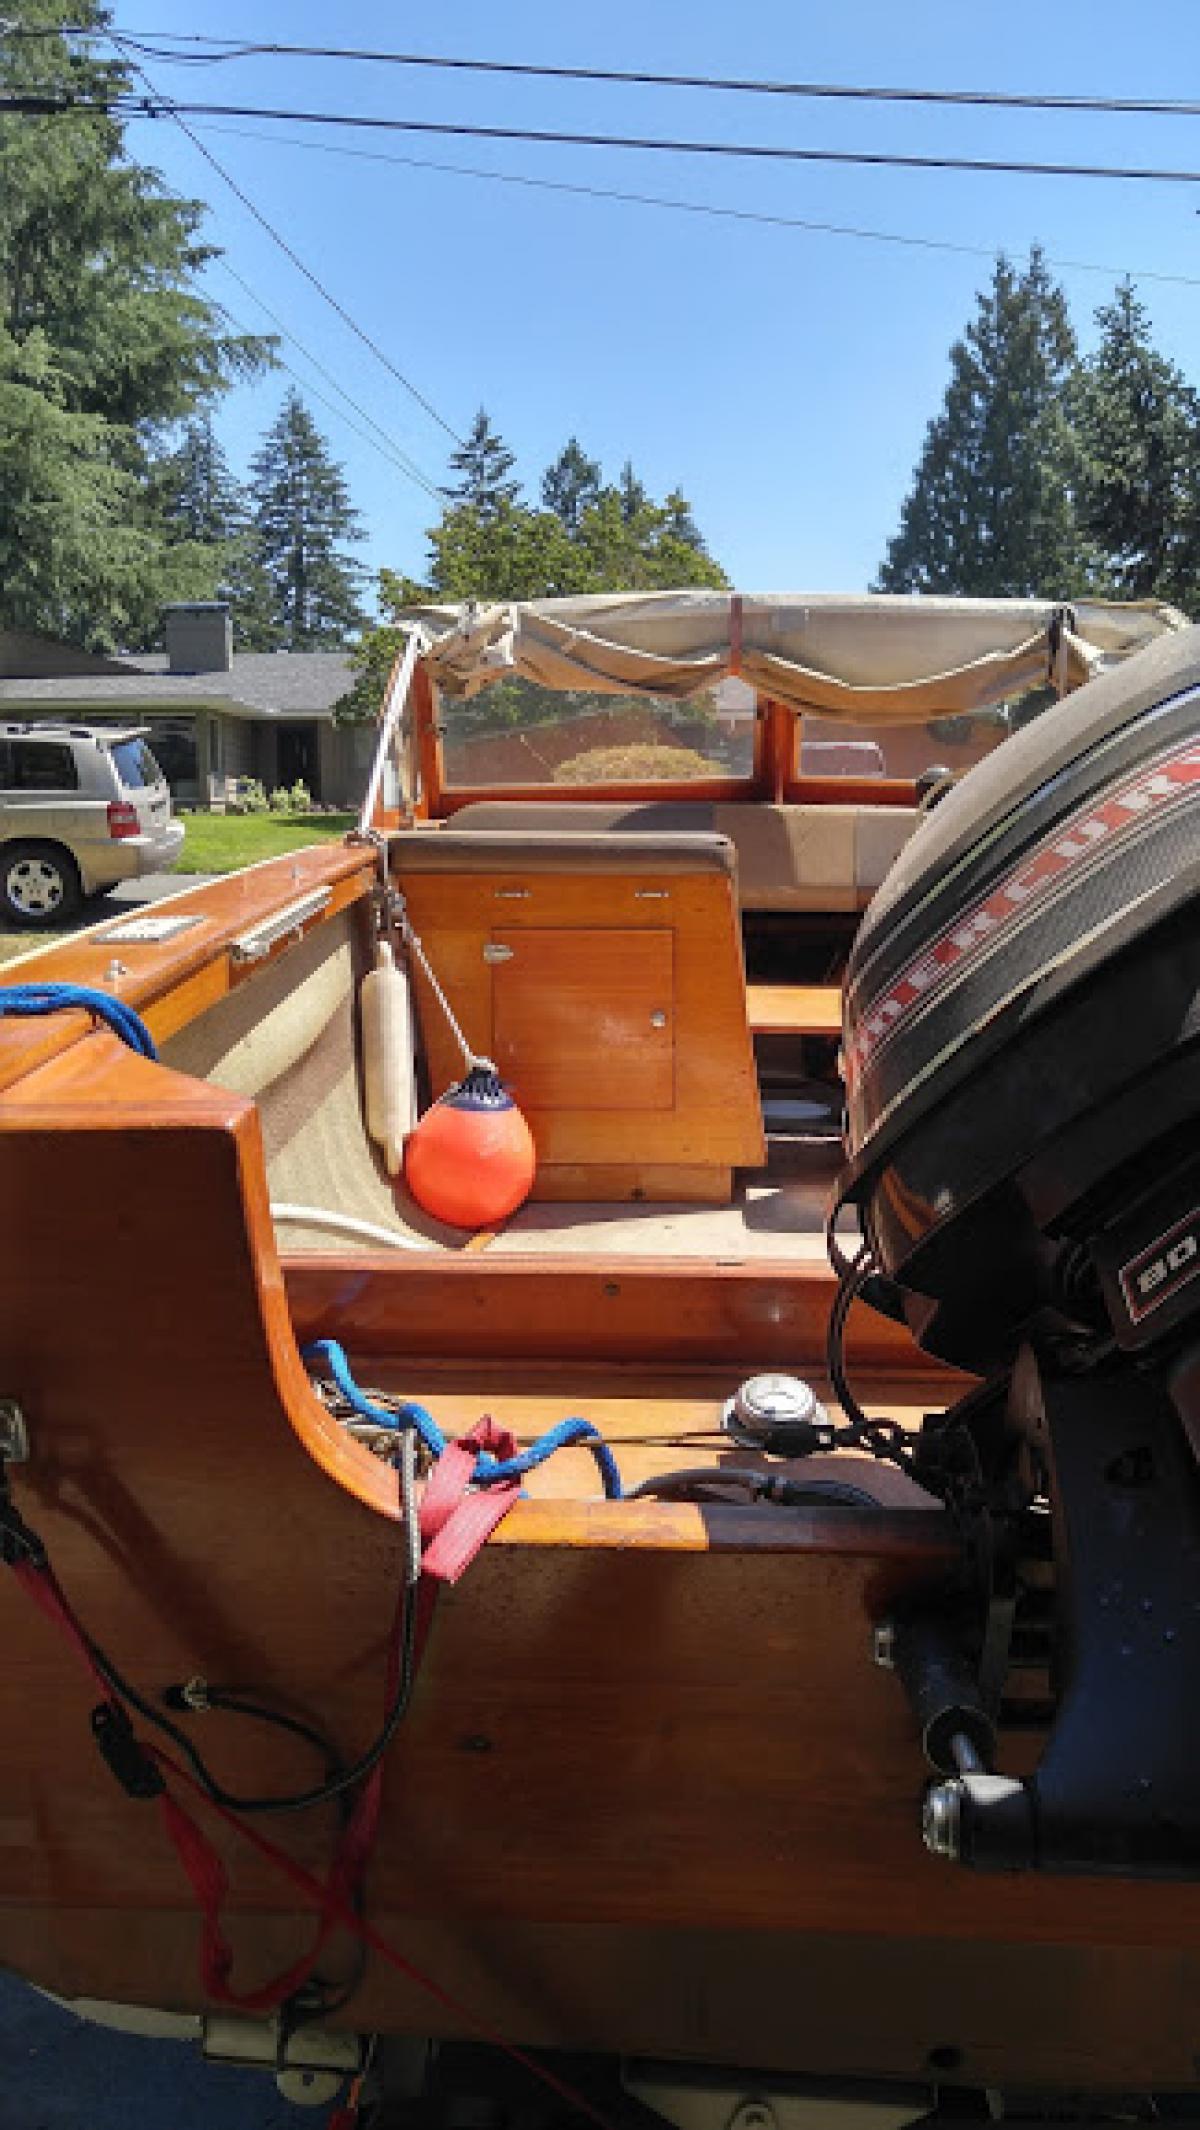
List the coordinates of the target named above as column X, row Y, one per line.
column 792, row 857
column 604, row 975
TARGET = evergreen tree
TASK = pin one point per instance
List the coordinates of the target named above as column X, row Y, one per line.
column 198, row 497
column 622, row 541
column 1137, row 423
column 303, row 524
column 991, row 510
column 634, row 496
column 571, row 484
column 680, row 524
column 483, row 465
column 104, row 340
column 630, row 545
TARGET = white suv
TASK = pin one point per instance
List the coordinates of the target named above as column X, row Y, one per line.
column 81, row 807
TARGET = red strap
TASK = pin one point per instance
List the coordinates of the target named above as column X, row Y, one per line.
column 330, row 1900
column 41, row 1584
column 455, row 1523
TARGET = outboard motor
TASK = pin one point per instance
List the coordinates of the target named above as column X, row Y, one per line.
column 1022, row 1062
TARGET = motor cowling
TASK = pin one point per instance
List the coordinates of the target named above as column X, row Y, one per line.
column 1021, row 1032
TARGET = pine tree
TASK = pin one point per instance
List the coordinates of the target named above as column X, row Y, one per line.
column 991, row 510
column 483, row 465
column 1137, row 423
column 104, row 339
column 198, row 497
column 680, row 524
column 302, row 526
column 571, row 483
column 634, row 496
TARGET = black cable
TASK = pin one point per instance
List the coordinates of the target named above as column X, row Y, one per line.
column 181, row 1699
column 692, row 207
column 884, row 1439
column 220, row 50
column 157, row 106
column 387, row 450
column 299, row 1801
column 173, row 111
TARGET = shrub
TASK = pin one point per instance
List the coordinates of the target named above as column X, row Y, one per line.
column 640, row 762
column 300, row 798
column 281, row 800
column 249, row 797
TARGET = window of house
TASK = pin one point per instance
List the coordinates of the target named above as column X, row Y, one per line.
column 173, row 741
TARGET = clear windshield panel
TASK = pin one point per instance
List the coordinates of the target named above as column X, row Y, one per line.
column 515, row 732
column 830, row 748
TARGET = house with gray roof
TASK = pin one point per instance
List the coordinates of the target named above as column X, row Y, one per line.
column 214, row 714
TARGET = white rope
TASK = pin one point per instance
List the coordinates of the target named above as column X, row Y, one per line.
column 325, row 1217
column 470, row 1058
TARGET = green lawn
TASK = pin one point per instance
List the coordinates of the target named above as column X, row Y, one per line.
column 220, row 843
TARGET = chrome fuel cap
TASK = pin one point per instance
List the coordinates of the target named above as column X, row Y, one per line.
column 768, row 1406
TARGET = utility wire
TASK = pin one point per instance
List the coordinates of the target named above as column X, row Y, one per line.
column 380, row 441
column 692, row 207
column 754, row 151
column 172, row 110
column 222, row 49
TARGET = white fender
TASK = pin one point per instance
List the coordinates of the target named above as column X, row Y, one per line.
column 389, row 1073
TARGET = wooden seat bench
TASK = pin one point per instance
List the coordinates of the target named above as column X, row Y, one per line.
column 794, row 1009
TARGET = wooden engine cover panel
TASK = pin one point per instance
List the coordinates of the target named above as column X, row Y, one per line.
column 585, row 1019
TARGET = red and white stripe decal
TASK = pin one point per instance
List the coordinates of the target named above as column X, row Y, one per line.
column 1152, row 791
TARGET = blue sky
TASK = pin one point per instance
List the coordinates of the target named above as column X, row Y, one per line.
column 782, row 377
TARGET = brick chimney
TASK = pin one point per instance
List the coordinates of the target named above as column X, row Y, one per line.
column 199, row 637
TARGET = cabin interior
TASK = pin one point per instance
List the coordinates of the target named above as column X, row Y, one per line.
column 655, row 972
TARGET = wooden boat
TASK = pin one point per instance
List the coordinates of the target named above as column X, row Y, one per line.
column 652, row 1804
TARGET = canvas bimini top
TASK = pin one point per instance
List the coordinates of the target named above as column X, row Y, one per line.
column 872, row 658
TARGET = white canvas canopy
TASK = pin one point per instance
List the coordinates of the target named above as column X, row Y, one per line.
column 874, row 659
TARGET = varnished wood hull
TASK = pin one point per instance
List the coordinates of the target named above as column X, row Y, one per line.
column 652, row 1796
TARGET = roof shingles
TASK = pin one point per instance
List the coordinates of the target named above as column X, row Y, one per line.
column 262, row 685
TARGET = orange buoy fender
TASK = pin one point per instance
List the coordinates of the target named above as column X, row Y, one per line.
column 471, row 1159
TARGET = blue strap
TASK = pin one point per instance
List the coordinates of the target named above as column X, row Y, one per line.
column 487, row 1469
column 30, row 999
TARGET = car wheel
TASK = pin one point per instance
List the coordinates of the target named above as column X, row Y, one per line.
column 39, row 884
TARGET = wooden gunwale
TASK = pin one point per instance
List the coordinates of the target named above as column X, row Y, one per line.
column 171, row 981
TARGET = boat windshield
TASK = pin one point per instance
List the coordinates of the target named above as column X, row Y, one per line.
column 829, row 747
column 514, row 732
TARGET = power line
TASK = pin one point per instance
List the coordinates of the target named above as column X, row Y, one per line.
column 380, row 441
column 219, row 50
column 758, row 151
column 346, row 316
column 310, row 390
column 692, row 207
column 173, row 111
